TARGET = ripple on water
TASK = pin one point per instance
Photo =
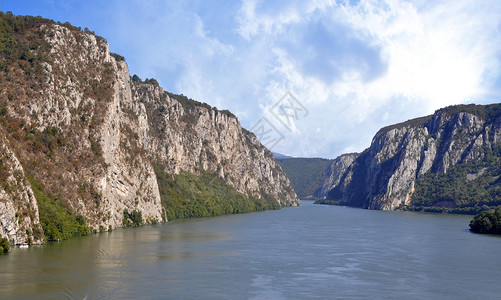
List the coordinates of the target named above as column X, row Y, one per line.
column 297, row 253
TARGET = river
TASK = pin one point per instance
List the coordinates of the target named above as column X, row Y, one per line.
column 308, row 252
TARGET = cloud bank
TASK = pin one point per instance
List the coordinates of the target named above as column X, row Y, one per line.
column 354, row 65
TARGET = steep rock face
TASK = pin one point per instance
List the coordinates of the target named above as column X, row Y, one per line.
column 90, row 136
column 384, row 176
column 335, row 172
column 18, row 206
column 188, row 138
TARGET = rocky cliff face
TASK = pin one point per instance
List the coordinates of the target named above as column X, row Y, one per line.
column 404, row 158
column 335, row 172
column 74, row 122
column 18, row 206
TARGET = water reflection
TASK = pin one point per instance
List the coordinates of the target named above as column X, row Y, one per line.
column 297, row 253
column 101, row 265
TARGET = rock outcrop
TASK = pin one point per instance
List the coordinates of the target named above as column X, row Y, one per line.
column 74, row 122
column 335, row 172
column 18, row 206
column 403, row 158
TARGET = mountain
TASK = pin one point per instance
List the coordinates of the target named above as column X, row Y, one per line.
column 86, row 147
column 334, row 173
column 306, row 174
column 448, row 161
column 280, row 156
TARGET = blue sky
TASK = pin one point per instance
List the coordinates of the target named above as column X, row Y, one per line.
column 351, row 67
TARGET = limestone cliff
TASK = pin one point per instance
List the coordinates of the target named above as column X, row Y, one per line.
column 432, row 161
column 18, row 206
column 74, row 122
column 335, row 172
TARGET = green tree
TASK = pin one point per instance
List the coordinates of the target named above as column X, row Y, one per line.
column 57, row 222
column 152, row 81
column 137, row 218
column 306, row 174
column 125, row 218
column 186, row 195
column 487, row 222
column 4, row 245
column 136, row 78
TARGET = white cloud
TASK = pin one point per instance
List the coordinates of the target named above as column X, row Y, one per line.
column 265, row 17
column 436, row 55
column 355, row 67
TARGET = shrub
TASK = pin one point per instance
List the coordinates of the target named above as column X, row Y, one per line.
column 132, row 219
column 136, row 78
column 125, row 218
column 117, row 57
column 57, row 222
column 137, row 218
column 453, row 191
column 487, row 222
column 4, row 245
column 152, row 81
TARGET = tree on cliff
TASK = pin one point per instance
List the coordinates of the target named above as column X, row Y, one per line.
column 4, row 245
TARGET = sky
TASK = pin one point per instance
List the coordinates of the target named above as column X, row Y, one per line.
column 311, row 78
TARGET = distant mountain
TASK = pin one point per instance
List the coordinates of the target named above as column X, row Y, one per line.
column 306, row 175
column 446, row 162
column 280, row 156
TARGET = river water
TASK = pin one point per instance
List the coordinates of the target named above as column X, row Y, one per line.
column 308, row 252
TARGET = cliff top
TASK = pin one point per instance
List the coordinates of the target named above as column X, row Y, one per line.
column 412, row 123
column 13, row 46
column 485, row 112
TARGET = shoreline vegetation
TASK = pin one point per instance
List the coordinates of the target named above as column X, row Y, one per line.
column 487, row 222
column 186, row 195
column 424, row 209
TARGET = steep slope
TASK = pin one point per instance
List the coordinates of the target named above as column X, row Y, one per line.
column 447, row 161
column 94, row 143
column 333, row 174
column 306, row 174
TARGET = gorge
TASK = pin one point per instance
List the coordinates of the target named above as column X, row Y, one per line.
column 86, row 147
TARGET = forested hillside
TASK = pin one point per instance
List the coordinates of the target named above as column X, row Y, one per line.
column 306, row 174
